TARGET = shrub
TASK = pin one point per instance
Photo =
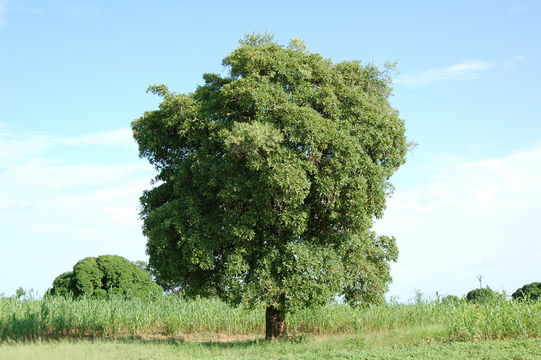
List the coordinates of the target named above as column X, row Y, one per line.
column 104, row 276
column 529, row 291
column 450, row 299
column 483, row 295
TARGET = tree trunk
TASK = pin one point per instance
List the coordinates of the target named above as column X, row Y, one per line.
column 275, row 323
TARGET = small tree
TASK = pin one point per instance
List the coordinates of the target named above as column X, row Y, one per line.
column 450, row 300
column 529, row 291
column 20, row 293
column 103, row 276
column 483, row 295
column 270, row 179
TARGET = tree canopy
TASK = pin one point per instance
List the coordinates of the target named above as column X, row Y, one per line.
column 270, row 178
column 529, row 291
column 484, row 295
column 103, row 276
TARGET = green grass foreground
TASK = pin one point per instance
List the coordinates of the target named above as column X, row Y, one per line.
column 341, row 347
column 171, row 327
column 173, row 316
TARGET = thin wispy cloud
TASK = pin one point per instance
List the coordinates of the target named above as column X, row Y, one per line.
column 17, row 149
column 120, row 137
column 462, row 71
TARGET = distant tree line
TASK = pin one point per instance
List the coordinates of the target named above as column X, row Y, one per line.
column 481, row 295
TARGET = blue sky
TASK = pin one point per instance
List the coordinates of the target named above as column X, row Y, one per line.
column 73, row 76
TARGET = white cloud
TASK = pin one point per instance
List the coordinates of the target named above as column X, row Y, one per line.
column 53, row 212
column 470, row 218
column 17, row 148
column 461, row 71
column 115, row 137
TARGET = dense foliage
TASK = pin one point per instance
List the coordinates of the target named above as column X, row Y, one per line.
column 482, row 295
column 529, row 291
column 270, row 178
column 102, row 277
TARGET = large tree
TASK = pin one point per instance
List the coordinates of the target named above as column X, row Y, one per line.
column 269, row 179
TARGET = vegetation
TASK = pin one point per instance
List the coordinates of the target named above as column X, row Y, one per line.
column 393, row 346
column 530, row 292
column 450, row 299
column 172, row 327
column 102, row 277
column 483, row 295
column 174, row 316
column 270, row 178
column 20, row 293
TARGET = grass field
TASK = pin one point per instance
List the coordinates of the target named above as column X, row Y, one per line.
column 174, row 328
column 338, row 347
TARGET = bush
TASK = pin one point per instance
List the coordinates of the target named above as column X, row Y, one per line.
column 484, row 295
column 529, row 291
column 104, row 276
column 450, row 299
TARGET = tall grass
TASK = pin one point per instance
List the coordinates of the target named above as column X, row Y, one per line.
column 173, row 315
column 497, row 320
column 59, row 317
